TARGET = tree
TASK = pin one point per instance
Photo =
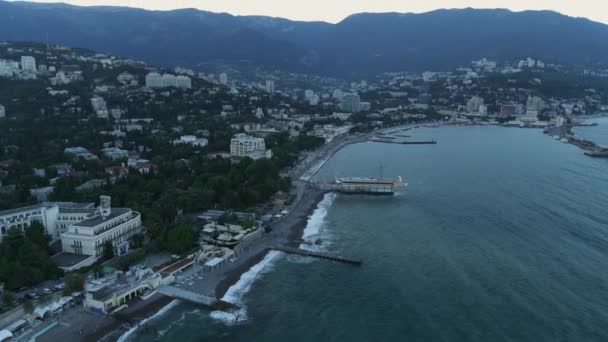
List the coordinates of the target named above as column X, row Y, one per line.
column 37, row 234
column 108, row 250
column 7, row 298
column 180, row 240
column 74, row 282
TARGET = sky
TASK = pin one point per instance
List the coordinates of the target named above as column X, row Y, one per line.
column 336, row 10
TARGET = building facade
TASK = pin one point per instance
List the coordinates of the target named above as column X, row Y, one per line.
column 243, row 145
column 351, row 103
column 22, row 218
column 115, row 225
column 28, row 63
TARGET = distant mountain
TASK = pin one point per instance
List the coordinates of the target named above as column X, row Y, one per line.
column 361, row 44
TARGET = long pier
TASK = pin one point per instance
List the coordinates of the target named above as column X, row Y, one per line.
column 210, row 302
column 388, row 141
column 319, row 255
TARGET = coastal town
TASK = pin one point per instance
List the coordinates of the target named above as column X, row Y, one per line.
column 124, row 186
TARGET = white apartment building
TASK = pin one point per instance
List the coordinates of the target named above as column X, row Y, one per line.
column 270, row 87
column 28, row 63
column 8, row 68
column 535, row 104
column 223, row 78
column 243, row 145
column 191, row 140
column 351, row 103
column 474, row 104
column 116, row 225
column 54, row 216
column 156, row 80
column 21, row 218
column 100, row 107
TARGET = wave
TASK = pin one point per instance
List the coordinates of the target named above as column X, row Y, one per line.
column 161, row 312
column 314, row 227
column 237, row 292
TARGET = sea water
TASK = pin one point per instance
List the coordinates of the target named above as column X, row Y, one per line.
column 501, row 235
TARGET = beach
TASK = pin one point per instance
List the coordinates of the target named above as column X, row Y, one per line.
column 288, row 231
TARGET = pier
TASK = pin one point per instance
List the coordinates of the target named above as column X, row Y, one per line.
column 319, row 255
column 210, row 302
column 388, row 141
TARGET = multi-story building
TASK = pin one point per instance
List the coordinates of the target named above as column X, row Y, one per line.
column 351, row 103
column 54, row 216
column 243, row 145
column 100, row 107
column 8, row 68
column 191, row 140
column 28, row 63
column 22, row 218
column 224, row 78
column 474, row 104
column 270, row 87
column 115, row 225
column 535, row 104
column 156, row 80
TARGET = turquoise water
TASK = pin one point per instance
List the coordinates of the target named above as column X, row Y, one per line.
column 597, row 134
column 502, row 235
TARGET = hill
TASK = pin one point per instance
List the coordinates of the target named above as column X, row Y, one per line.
column 361, row 44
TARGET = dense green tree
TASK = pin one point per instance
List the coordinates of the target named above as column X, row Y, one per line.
column 108, row 250
column 180, row 239
column 74, row 282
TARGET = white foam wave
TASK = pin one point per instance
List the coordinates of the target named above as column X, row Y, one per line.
column 161, row 312
column 237, row 292
column 314, row 227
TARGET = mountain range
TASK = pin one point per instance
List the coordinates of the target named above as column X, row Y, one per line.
column 361, row 44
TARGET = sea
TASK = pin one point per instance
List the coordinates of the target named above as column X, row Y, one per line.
column 501, row 235
column 597, row 134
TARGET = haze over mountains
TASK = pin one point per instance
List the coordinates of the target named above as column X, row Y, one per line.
column 360, row 44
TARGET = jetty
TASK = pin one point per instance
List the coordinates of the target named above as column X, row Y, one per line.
column 326, row 256
column 196, row 298
column 403, row 142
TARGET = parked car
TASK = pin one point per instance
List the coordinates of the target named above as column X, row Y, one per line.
column 33, row 295
column 59, row 286
column 46, row 290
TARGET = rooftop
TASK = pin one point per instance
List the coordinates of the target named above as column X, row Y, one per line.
column 67, row 260
column 22, row 209
column 95, row 221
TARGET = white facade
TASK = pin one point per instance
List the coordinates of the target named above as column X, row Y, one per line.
column 351, row 103
column 28, row 63
column 535, row 104
column 115, row 153
column 243, row 145
column 224, row 79
column 118, row 226
column 8, row 68
column 2, row 112
column 474, row 104
column 270, row 87
column 21, row 218
column 156, row 80
column 100, row 107
column 191, row 140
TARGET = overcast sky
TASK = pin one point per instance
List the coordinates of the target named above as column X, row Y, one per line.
column 336, row 10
